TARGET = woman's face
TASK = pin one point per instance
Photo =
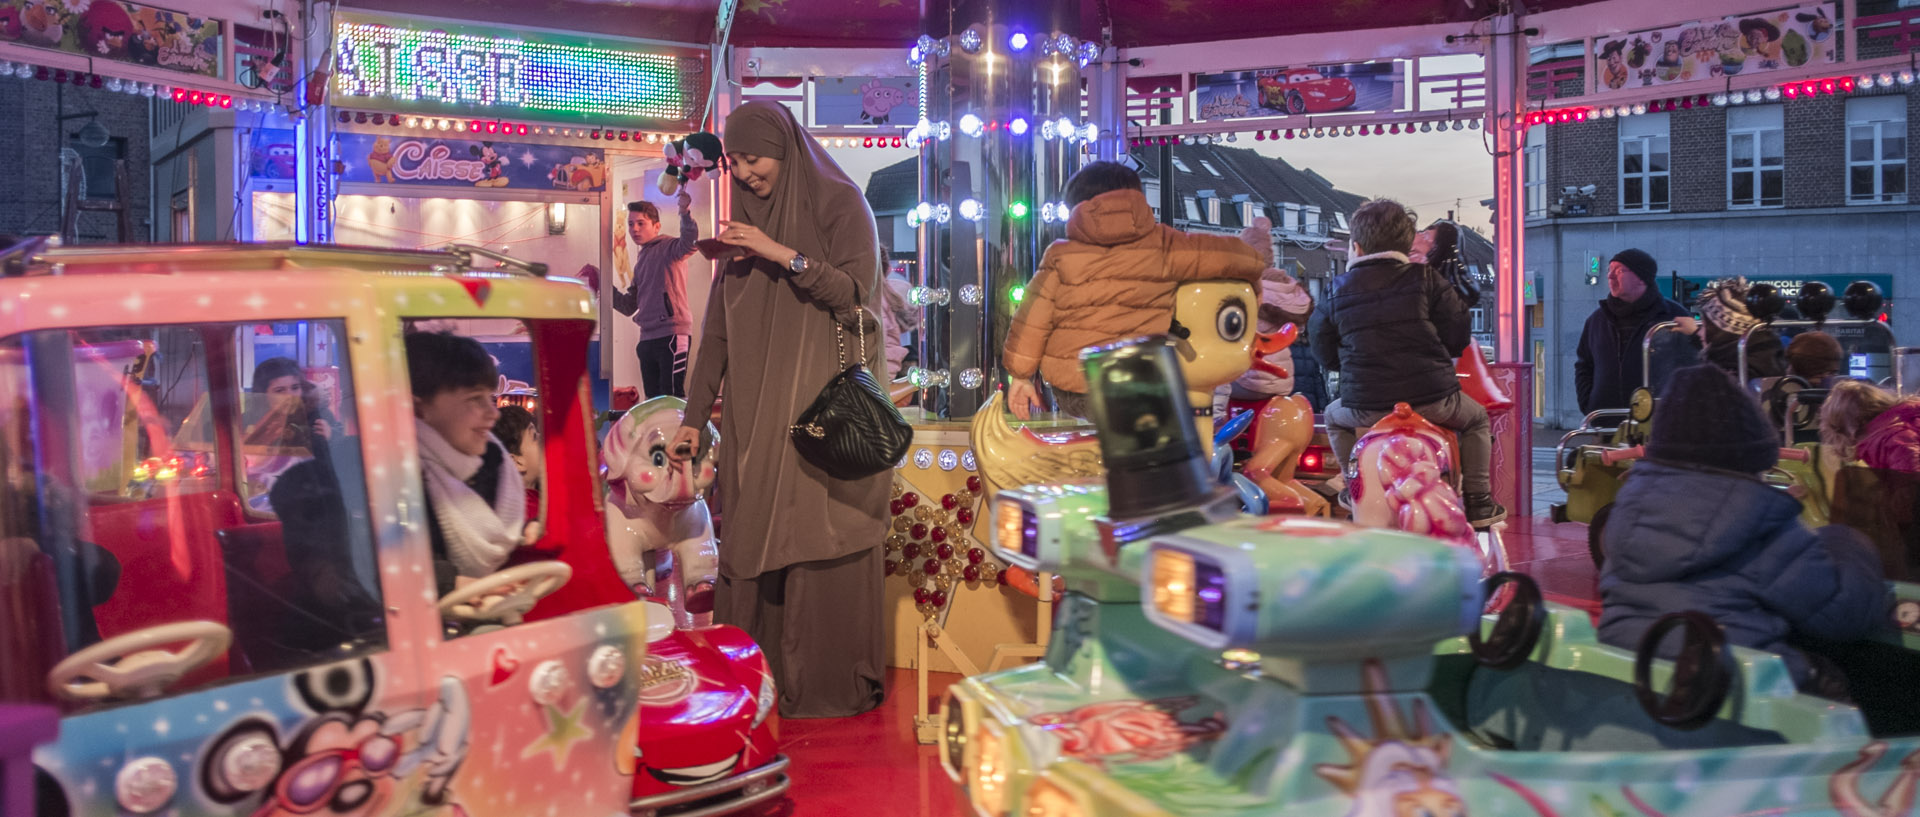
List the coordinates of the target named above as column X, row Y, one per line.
column 1422, row 244
column 758, row 173
column 282, row 387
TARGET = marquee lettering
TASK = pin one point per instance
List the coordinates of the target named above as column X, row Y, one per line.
column 415, row 161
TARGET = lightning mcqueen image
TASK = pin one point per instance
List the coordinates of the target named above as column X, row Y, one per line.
column 1306, row 91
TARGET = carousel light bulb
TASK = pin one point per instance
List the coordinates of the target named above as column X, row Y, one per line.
column 147, row 89
column 971, row 378
column 1089, row 51
column 1459, row 125
column 971, row 125
column 920, row 296
column 971, row 210
column 1755, row 95
column 1046, row 215
column 913, row 219
column 6, row 70
column 1319, row 133
column 1048, row 131
column 944, row 131
column 1772, row 92
column 914, row 138
column 1886, row 79
column 1906, row 77
column 1064, row 126
column 1865, row 81
column 413, row 121
column 913, row 55
column 1017, row 209
column 925, row 44
column 1061, row 211
column 1719, row 100
column 970, row 40
column 1606, row 113
column 924, row 210
column 1639, row 108
column 972, row 295
column 1090, row 132
column 1017, row 127
column 1426, row 127
column 1063, row 44
column 1017, row 42
column 1475, row 123
column 1348, row 131
column 942, row 214
column 1233, row 137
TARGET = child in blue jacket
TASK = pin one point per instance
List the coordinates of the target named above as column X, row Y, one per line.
column 1694, row 528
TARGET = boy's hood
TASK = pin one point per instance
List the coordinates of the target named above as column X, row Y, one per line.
column 1684, row 521
column 1112, row 218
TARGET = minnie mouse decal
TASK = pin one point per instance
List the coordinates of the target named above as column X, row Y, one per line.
column 688, row 158
column 347, row 760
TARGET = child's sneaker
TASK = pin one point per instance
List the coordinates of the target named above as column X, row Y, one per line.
column 1482, row 511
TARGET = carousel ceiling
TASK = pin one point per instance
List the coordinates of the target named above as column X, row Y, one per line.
column 896, row 23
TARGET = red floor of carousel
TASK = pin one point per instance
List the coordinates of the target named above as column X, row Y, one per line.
column 854, row 765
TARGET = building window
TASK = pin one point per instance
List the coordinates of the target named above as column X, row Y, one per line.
column 1536, row 170
column 1645, row 167
column 1209, row 166
column 100, row 165
column 1877, row 150
column 1340, row 219
column 1291, row 223
column 1479, row 318
column 1193, row 209
column 1756, row 157
column 1313, row 224
column 1180, row 165
column 1213, row 210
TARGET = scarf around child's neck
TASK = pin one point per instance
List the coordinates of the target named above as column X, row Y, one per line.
column 480, row 533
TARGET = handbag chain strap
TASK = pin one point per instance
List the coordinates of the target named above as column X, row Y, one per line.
column 840, row 336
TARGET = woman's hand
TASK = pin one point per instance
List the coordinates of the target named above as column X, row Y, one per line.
column 322, row 428
column 1023, row 398
column 686, row 443
column 754, row 240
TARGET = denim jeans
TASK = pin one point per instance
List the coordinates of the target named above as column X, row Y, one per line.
column 1458, row 412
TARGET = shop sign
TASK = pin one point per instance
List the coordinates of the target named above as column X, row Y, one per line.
column 118, row 31
column 865, row 101
column 1356, row 87
column 379, row 158
column 421, row 66
column 1719, row 47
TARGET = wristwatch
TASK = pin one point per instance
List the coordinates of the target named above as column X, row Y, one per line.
column 798, row 264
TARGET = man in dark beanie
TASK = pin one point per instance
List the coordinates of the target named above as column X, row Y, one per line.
column 1608, row 366
column 1695, row 528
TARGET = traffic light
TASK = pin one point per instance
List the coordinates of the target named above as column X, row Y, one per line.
column 1682, row 290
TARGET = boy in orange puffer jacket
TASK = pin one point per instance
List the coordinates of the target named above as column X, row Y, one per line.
column 1112, row 278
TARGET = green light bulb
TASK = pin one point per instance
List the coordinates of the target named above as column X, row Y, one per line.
column 1017, row 209
column 1017, row 294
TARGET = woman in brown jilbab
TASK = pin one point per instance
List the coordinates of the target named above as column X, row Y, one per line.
column 800, row 564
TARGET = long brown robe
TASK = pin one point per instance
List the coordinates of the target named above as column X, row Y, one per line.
column 799, row 558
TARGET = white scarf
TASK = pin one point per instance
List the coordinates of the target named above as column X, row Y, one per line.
column 1374, row 256
column 479, row 536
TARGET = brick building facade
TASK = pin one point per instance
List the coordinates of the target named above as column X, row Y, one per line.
column 1769, row 190
column 32, row 135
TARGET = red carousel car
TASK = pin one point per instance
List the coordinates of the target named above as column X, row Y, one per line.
column 1306, row 91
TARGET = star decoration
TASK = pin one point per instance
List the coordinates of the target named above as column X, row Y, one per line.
column 1178, row 6
column 563, row 731
column 763, row 7
column 527, row 158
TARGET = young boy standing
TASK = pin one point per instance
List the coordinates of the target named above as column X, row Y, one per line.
column 1392, row 329
column 657, row 302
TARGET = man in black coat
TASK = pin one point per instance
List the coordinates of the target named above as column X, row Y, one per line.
column 1392, row 329
column 1608, row 366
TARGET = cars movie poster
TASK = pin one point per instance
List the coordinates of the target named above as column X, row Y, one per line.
column 115, row 30
column 381, row 158
column 1723, row 47
column 1347, row 88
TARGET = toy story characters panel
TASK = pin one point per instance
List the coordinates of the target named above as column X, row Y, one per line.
column 1721, row 47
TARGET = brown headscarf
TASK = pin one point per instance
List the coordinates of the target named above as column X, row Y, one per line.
column 769, row 336
column 812, row 200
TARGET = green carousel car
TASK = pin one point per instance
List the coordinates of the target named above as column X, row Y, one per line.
column 1206, row 663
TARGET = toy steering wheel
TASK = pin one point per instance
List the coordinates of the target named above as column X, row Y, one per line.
column 1702, row 674
column 1779, row 400
column 1517, row 630
column 506, row 596
column 133, row 665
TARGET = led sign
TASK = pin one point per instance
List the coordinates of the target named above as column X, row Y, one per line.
column 433, row 67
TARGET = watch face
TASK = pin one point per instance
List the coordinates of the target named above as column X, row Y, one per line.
column 1641, row 405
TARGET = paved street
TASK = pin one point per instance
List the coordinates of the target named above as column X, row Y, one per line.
column 1546, row 489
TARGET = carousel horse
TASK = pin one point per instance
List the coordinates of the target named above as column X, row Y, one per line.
column 1282, row 430
column 658, row 526
column 1403, row 477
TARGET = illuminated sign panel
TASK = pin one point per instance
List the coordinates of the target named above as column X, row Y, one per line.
column 420, row 67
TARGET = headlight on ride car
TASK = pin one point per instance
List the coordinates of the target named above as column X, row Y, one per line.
column 1018, row 537
column 1044, row 798
column 1189, row 590
column 769, row 698
column 987, row 780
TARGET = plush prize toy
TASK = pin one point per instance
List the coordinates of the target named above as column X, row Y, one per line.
column 688, row 158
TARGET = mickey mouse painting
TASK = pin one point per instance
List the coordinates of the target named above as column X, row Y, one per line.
column 496, row 175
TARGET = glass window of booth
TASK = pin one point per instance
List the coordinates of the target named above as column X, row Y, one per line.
column 133, row 458
column 1756, row 157
column 1645, row 164
column 1877, row 150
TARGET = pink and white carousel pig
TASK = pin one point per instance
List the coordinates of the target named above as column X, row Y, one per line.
column 657, row 525
column 1398, row 478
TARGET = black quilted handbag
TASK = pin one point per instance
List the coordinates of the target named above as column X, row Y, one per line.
column 852, row 431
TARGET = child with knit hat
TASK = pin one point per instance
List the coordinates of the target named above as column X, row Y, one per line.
column 1723, row 304
column 1695, row 528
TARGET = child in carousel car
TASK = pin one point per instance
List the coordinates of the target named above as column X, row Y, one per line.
column 476, row 499
column 1695, row 528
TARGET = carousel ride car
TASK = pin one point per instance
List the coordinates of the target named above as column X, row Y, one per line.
column 1207, row 663
column 234, row 609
